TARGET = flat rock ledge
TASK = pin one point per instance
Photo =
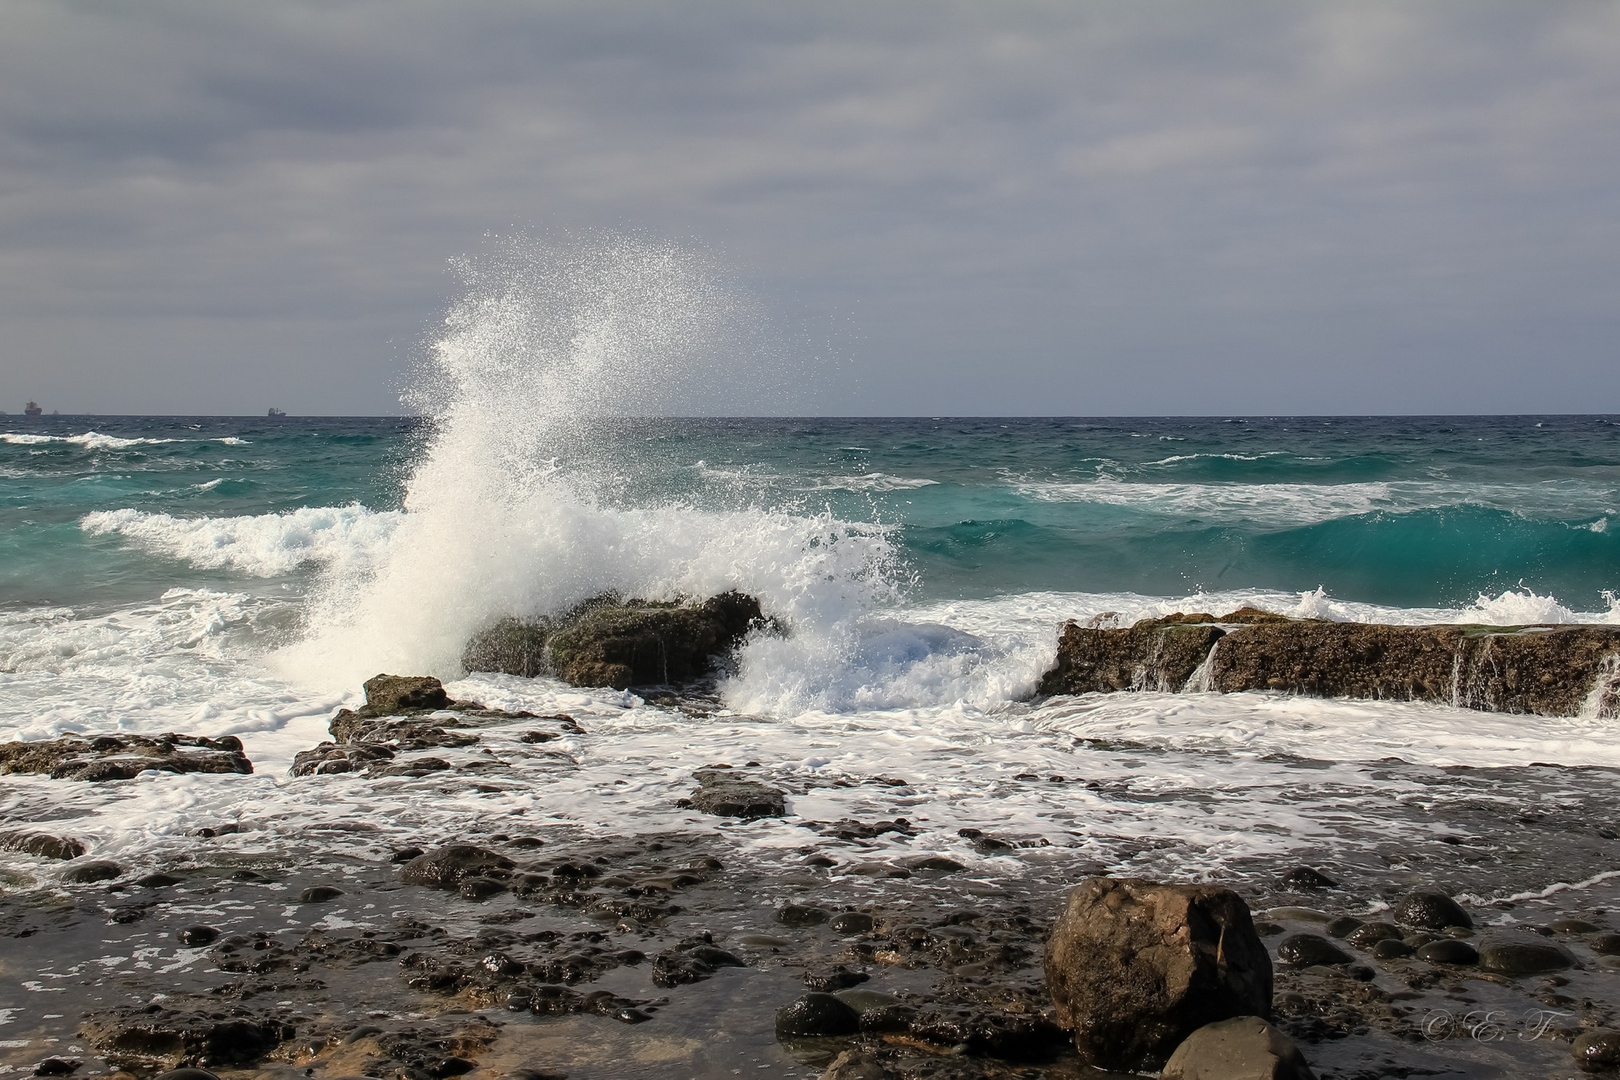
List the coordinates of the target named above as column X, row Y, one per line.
column 1558, row 670
column 402, row 714
column 611, row 641
column 123, row 757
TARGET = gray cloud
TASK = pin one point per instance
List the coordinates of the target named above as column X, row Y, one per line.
column 1018, row 207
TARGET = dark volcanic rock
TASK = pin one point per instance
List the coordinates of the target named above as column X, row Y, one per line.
column 95, row 870
column 608, row 641
column 1367, row 935
column 693, row 960
column 124, row 757
column 445, row 867
column 1597, row 1050
column 1304, row 878
column 396, row 734
column 1430, row 909
column 724, row 795
column 1304, row 950
column 42, row 844
column 328, row 758
column 1523, row 957
column 1135, row 967
column 816, row 1014
column 1243, row 1048
column 1449, row 951
column 1155, row 654
column 144, row 1036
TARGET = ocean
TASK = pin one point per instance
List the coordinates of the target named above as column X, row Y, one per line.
column 227, row 576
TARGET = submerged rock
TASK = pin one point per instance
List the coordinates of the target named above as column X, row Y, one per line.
column 1544, row 670
column 608, row 641
column 446, row 867
column 1242, row 1048
column 94, row 870
column 816, row 1014
column 725, row 795
column 124, row 757
column 1134, row 967
column 142, row 1037
column 45, row 845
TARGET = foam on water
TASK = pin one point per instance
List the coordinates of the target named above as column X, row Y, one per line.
column 1284, row 504
column 263, row 545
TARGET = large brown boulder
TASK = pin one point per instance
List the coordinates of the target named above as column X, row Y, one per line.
column 609, row 641
column 1134, row 967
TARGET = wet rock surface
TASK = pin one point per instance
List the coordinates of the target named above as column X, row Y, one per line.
column 1545, row 670
column 124, row 757
column 1242, row 1048
column 1135, row 967
column 609, row 641
column 1155, row 654
column 526, row 944
column 725, row 793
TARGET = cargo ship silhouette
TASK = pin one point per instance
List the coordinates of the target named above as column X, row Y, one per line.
column 33, row 409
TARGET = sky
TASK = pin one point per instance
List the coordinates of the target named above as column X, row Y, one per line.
column 985, row 208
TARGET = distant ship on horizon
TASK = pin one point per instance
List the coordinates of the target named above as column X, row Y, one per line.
column 277, row 414
column 33, row 409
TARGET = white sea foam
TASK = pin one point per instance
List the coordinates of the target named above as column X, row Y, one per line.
column 264, row 545
column 1305, row 504
column 91, row 440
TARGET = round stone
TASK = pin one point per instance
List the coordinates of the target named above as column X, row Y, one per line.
column 1575, row 926
column 1342, row 926
column 1431, row 909
column 319, row 894
column 1449, row 951
column 1391, row 949
column 1597, row 1050
column 816, row 1014
column 186, row 1074
column 1523, row 957
column 1369, row 934
column 94, row 870
column 1606, row 944
column 197, row 936
column 1306, row 879
column 1305, row 950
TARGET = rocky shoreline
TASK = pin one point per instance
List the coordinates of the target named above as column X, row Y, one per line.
column 859, row 951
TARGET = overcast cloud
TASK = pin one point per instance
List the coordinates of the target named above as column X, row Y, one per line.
column 1008, row 207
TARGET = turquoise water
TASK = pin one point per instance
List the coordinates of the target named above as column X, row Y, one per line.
column 1407, row 512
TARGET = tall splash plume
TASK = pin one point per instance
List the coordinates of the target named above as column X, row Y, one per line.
column 544, row 363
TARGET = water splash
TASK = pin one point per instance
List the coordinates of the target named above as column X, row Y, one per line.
column 544, row 367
